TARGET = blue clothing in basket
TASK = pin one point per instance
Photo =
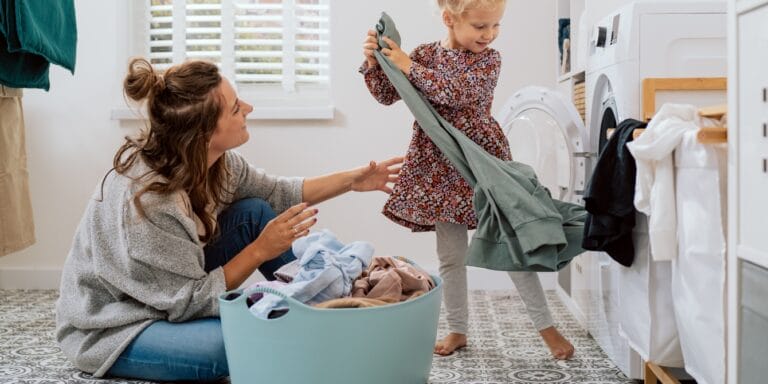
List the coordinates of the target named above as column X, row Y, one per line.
column 327, row 269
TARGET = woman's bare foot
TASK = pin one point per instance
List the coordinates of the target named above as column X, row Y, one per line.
column 561, row 348
column 451, row 343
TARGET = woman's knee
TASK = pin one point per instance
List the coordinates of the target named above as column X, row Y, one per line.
column 216, row 365
column 254, row 205
column 252, row 210
column 205, row 348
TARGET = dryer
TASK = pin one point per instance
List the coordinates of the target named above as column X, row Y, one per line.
column 643, row 39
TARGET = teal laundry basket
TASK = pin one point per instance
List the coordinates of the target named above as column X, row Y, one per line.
column 390, row 344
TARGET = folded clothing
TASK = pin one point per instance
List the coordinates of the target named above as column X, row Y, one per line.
column 392, row 280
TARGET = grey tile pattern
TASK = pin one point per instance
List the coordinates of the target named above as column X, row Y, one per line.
column 28, row 350
column 504, row 347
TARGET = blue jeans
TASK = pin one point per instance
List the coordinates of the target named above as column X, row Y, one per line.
column 194, row 350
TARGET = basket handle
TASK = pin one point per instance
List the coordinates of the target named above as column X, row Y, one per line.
column 293, row 304
column 268, row 290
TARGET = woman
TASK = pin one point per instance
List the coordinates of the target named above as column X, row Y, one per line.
column 179, row 221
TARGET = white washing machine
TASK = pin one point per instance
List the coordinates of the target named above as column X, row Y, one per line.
column 643, row 39
column 545, row 131
column 652, row 39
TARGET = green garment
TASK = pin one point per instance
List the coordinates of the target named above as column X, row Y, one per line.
column 520, row 227
column 33, row 34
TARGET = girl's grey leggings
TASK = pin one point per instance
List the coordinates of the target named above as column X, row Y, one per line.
column 452, row 246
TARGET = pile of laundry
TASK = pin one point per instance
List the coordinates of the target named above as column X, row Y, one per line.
column 330, row 274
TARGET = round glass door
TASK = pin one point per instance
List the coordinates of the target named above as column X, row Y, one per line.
column 536, row 139
column 546, row 132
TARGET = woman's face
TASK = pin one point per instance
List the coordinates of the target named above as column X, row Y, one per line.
column 231, row 131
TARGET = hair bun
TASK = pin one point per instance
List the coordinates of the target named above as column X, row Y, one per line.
column 142, row 79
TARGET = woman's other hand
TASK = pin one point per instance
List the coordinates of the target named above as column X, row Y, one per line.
column 375, row 177
column 370, row 45
column 279, row 234
column 397, row 55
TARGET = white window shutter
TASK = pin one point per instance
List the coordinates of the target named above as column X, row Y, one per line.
column 312, row 41
column 203, row 30
column 161, row 33
column 289, row 45
column 277, row 42
column 259, row 41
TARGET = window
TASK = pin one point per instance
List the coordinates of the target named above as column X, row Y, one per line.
column 273, row 50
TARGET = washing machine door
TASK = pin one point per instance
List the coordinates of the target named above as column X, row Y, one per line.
column 605, row 109
column 546, row 132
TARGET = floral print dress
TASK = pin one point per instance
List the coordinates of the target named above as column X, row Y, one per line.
column 460, row 85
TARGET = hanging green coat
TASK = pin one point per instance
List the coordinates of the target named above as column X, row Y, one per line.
column 34, row 34
column 520, row 227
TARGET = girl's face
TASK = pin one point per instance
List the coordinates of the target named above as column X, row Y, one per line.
column 475, row 29
column 231, row 131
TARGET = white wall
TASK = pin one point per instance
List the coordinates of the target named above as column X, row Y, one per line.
column 71, row 139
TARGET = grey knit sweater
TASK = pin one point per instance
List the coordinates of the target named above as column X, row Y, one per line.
column 123, row 271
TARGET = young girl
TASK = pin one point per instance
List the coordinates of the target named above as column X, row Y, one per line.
column 458, row 76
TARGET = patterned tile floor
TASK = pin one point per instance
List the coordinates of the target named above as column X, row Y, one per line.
column 504, row 347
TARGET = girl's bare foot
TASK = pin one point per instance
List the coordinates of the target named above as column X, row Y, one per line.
column 561, row 348
column 451, row 343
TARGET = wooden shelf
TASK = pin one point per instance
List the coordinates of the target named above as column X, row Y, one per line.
column 652, row 85
column 564, row 77
column 706, row 135
column 655, row 373
column 712, row 135
column 715, row 111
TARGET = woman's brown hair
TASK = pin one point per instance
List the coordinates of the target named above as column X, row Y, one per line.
column 184, row 106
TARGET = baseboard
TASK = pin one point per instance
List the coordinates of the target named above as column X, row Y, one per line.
column 477, row 278
column 29, row 278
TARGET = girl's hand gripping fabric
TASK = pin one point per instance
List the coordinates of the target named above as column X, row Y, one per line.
column 397, row 55
column 369, row 45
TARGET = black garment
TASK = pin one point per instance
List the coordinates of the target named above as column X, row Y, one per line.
column 563, row 32
column 609, row 198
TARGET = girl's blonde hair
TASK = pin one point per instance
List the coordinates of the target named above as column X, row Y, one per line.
column 458, row 7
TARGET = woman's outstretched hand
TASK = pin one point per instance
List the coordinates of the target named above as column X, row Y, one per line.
column 376, row 176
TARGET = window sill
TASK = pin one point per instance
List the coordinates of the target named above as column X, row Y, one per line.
column 263, row 113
